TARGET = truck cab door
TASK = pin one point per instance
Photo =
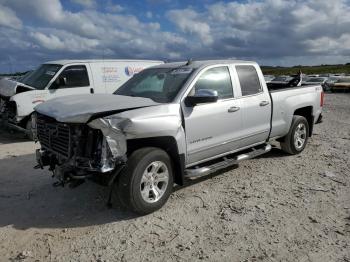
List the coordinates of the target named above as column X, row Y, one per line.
column 255, row 105
column 72, row 80
column 212, row 128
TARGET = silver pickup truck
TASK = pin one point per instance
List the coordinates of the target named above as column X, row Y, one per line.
column 170, row 123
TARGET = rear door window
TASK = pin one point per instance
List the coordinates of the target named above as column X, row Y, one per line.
column 249, row 80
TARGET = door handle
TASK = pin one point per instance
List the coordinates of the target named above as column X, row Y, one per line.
column 264, row 103
column 233, row 109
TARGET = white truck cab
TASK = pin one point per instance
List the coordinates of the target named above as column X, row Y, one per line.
column 62, row 78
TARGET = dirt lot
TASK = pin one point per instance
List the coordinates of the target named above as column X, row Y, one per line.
column 274, row 208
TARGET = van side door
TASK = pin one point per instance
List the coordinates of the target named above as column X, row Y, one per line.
column 73, row 79
column 255, row 105
column 212, row 128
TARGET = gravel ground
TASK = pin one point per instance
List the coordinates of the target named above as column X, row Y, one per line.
column 273, row 208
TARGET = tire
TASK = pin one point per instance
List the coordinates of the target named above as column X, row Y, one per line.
column 295, row 141
column 29, row 133
column 148, row 172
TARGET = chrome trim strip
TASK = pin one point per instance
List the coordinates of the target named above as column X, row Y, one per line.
column 191, row 173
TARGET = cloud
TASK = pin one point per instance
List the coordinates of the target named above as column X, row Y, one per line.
column 113, row 8
column 333, row 46
column 9, row 18
column 60, row 40
column 85, row 3
column 272, row 32
column 188, row 21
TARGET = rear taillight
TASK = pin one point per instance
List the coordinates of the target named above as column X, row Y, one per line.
column 322, row 98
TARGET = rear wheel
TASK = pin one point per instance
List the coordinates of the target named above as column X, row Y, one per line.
column 295, row 141
column 146, row 183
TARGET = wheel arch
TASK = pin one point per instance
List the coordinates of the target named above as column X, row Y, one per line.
column 169, row 145
column 307, row 113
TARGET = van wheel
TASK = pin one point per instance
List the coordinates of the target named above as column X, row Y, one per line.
column 29, row 133
column 295, row 141
column 146, row 183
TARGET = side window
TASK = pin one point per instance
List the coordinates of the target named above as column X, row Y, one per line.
column 218, row 79
column 75, row 76
column 249, row 80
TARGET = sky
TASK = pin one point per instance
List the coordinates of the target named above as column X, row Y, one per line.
column 271, row 32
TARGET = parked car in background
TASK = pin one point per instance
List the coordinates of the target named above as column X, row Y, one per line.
column 333, row 79
column 269, row 78
column 61, row 78
column 170, row 123
column 311, row 76
column 343, row 84
column 282, row 79
column 317, row 81
column 330, row 81
column 280, row 82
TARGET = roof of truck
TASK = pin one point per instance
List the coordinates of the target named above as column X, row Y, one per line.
column 69, row 61
column 202, row 63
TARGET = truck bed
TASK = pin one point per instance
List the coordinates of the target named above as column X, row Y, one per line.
column 287, row 100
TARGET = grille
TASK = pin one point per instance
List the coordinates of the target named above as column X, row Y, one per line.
column 53, row 135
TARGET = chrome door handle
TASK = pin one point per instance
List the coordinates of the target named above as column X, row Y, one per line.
column 233, row 109
column 264, row 103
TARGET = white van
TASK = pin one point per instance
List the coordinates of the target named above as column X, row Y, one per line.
column 62, row 78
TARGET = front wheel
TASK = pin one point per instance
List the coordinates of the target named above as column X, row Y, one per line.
column 146, row 183
column 295, row 141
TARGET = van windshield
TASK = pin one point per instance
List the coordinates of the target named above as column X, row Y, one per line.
column 40, row 77
column 159, row 84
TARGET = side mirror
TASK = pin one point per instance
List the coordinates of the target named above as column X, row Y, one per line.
column 59, row 82
column 62, row 81
column 202, row 96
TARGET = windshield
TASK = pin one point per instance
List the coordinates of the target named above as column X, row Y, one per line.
column 25, row 76
column 40, row 77
column 159, row 84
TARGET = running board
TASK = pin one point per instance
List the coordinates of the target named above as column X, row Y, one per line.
column 226, row 162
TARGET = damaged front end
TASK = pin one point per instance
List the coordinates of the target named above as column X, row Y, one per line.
column 74, row 152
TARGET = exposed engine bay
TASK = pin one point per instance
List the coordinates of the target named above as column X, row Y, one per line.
column 72, row 151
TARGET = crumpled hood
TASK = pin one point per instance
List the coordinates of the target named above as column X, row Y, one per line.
column 80, row 108
column 8, row 87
